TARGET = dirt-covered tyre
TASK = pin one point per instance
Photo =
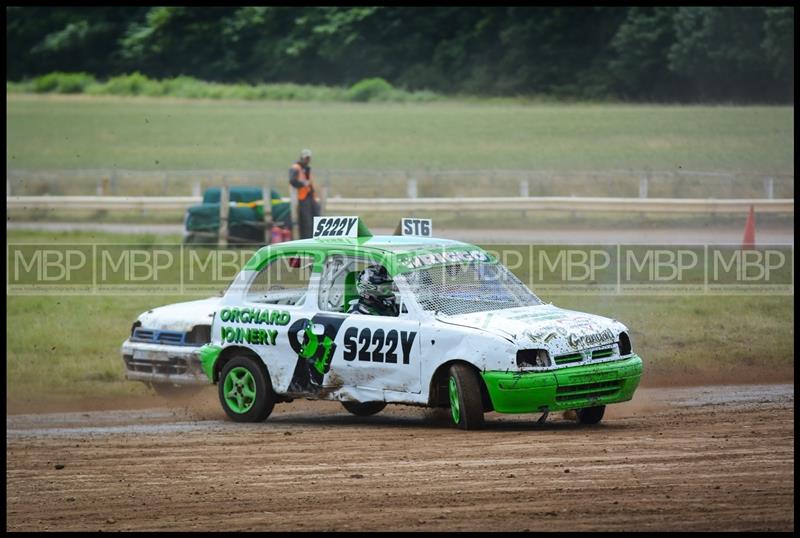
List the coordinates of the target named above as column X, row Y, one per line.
column 466, row 406
column 245, row 390
column 364, row 409
column 168, row 390
column 590, row 415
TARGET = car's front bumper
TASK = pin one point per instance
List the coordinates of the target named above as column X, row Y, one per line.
column 564, row 388
column 161, row 363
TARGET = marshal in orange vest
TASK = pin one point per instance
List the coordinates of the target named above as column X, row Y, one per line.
column 303, row 192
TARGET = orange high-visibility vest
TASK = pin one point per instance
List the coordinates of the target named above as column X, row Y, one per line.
column 302, row 192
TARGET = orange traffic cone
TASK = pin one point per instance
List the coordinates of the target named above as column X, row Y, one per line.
column 749, row 240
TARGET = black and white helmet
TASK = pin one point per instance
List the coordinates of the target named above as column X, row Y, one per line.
column 374, row 283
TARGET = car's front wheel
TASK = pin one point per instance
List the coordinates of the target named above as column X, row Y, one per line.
column 590, row 415
column 466, row 406
column 364, row 409
column 245, row 390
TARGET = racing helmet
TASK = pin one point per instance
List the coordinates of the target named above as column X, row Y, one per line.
column 375, row 284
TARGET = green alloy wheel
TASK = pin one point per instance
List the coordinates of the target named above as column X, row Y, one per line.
column 240, row 390
column 466, row 407
column 245, row 390
column 455, row 408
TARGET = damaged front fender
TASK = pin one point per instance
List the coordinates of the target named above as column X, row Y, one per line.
column 209, row 354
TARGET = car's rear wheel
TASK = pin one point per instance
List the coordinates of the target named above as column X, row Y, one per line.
column 364, row 409
column 466, row 406
column 590, row 415
column 245, row 390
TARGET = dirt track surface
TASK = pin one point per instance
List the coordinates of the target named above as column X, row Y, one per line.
column 704, row 458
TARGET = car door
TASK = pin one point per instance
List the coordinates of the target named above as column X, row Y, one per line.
column 378, row 353
column 276, row 303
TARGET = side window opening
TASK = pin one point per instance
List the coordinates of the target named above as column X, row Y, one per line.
column 337, row 290
column 284, row 281
column 337, row 284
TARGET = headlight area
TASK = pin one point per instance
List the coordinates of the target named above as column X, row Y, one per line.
column 624, row 344
column 533, row 358
column 199, row 335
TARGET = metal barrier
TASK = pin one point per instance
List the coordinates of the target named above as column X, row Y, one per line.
column 425, row 183
column 359, row 205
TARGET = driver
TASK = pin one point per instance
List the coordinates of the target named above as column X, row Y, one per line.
column 375, row 293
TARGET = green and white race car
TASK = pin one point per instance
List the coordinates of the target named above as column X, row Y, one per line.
column 468, row 335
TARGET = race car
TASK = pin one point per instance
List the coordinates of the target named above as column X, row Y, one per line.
column 463, row 332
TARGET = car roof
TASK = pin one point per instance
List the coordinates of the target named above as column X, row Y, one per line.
column 387, row 245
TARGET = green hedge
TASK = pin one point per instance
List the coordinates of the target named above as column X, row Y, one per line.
column 59, row 82
column 137, row 84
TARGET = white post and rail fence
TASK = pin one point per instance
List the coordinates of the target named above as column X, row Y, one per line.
column 646, row 183
column 356, row 205
column 704, row 190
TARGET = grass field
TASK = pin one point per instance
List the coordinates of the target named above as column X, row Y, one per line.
column 63, row 347
column 61, row 132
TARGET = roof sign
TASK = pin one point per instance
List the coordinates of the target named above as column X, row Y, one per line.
column 415, row 227
column 325, row 227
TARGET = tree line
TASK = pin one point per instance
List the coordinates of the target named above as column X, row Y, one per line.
column 665, row 54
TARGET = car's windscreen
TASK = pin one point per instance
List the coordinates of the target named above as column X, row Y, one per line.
column 468, row 287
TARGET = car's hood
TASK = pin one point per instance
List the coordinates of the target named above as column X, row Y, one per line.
column 181, row 316
column 543, row 326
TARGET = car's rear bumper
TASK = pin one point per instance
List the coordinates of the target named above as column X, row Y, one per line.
column 564, row 388
column 160, row 363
